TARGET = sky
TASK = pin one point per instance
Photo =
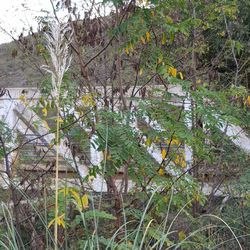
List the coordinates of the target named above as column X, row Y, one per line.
column 17, row 16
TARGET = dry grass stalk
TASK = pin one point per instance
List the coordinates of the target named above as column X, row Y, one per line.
column 58, row 48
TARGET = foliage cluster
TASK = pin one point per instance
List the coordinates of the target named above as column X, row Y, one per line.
column 117, row 99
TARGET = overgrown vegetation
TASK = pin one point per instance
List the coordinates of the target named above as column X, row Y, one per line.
column 133, row 145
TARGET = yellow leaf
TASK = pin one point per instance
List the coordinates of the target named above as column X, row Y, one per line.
column 164, row 38
column 143, row 40
column 105, row 154
column 176, row 142
column 157, row 139
column 22, row 98
column 60, row 221
column 46, row 125
column 76, row 198
column 143, row 170
column 173, row 142
column 91, row 178
column 51, row 223
column 180, row 161
column 85, row 201
column 198, row 81
column 248, row 100
column 88, row 100
column 60, row 120
column 165, row 199
column 127, row 50
column 183, row 163
column 182, row 236
column 172, row 71
column 169, row 20
column 148, row 36
column 109, row 157
column 163, row 153
column 177, row 160
column 197, row 197
column 82, row 202
column 64, row 191
column 160, row 59
column 45, row 112
column 169, row 242
column 140, row 72
column 148, row 142
column 161, row 172
column 222, row 33
column 181, row 75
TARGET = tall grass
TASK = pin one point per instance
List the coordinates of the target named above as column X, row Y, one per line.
column 58, row 47
column 8, row 240
column 138, row 237
column 133, row 234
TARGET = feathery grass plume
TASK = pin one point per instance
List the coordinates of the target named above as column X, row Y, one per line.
column 58, row 47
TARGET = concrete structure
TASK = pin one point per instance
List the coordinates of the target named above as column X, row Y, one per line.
column 16, row 112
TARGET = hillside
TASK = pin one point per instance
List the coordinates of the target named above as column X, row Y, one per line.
column 16, row 69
